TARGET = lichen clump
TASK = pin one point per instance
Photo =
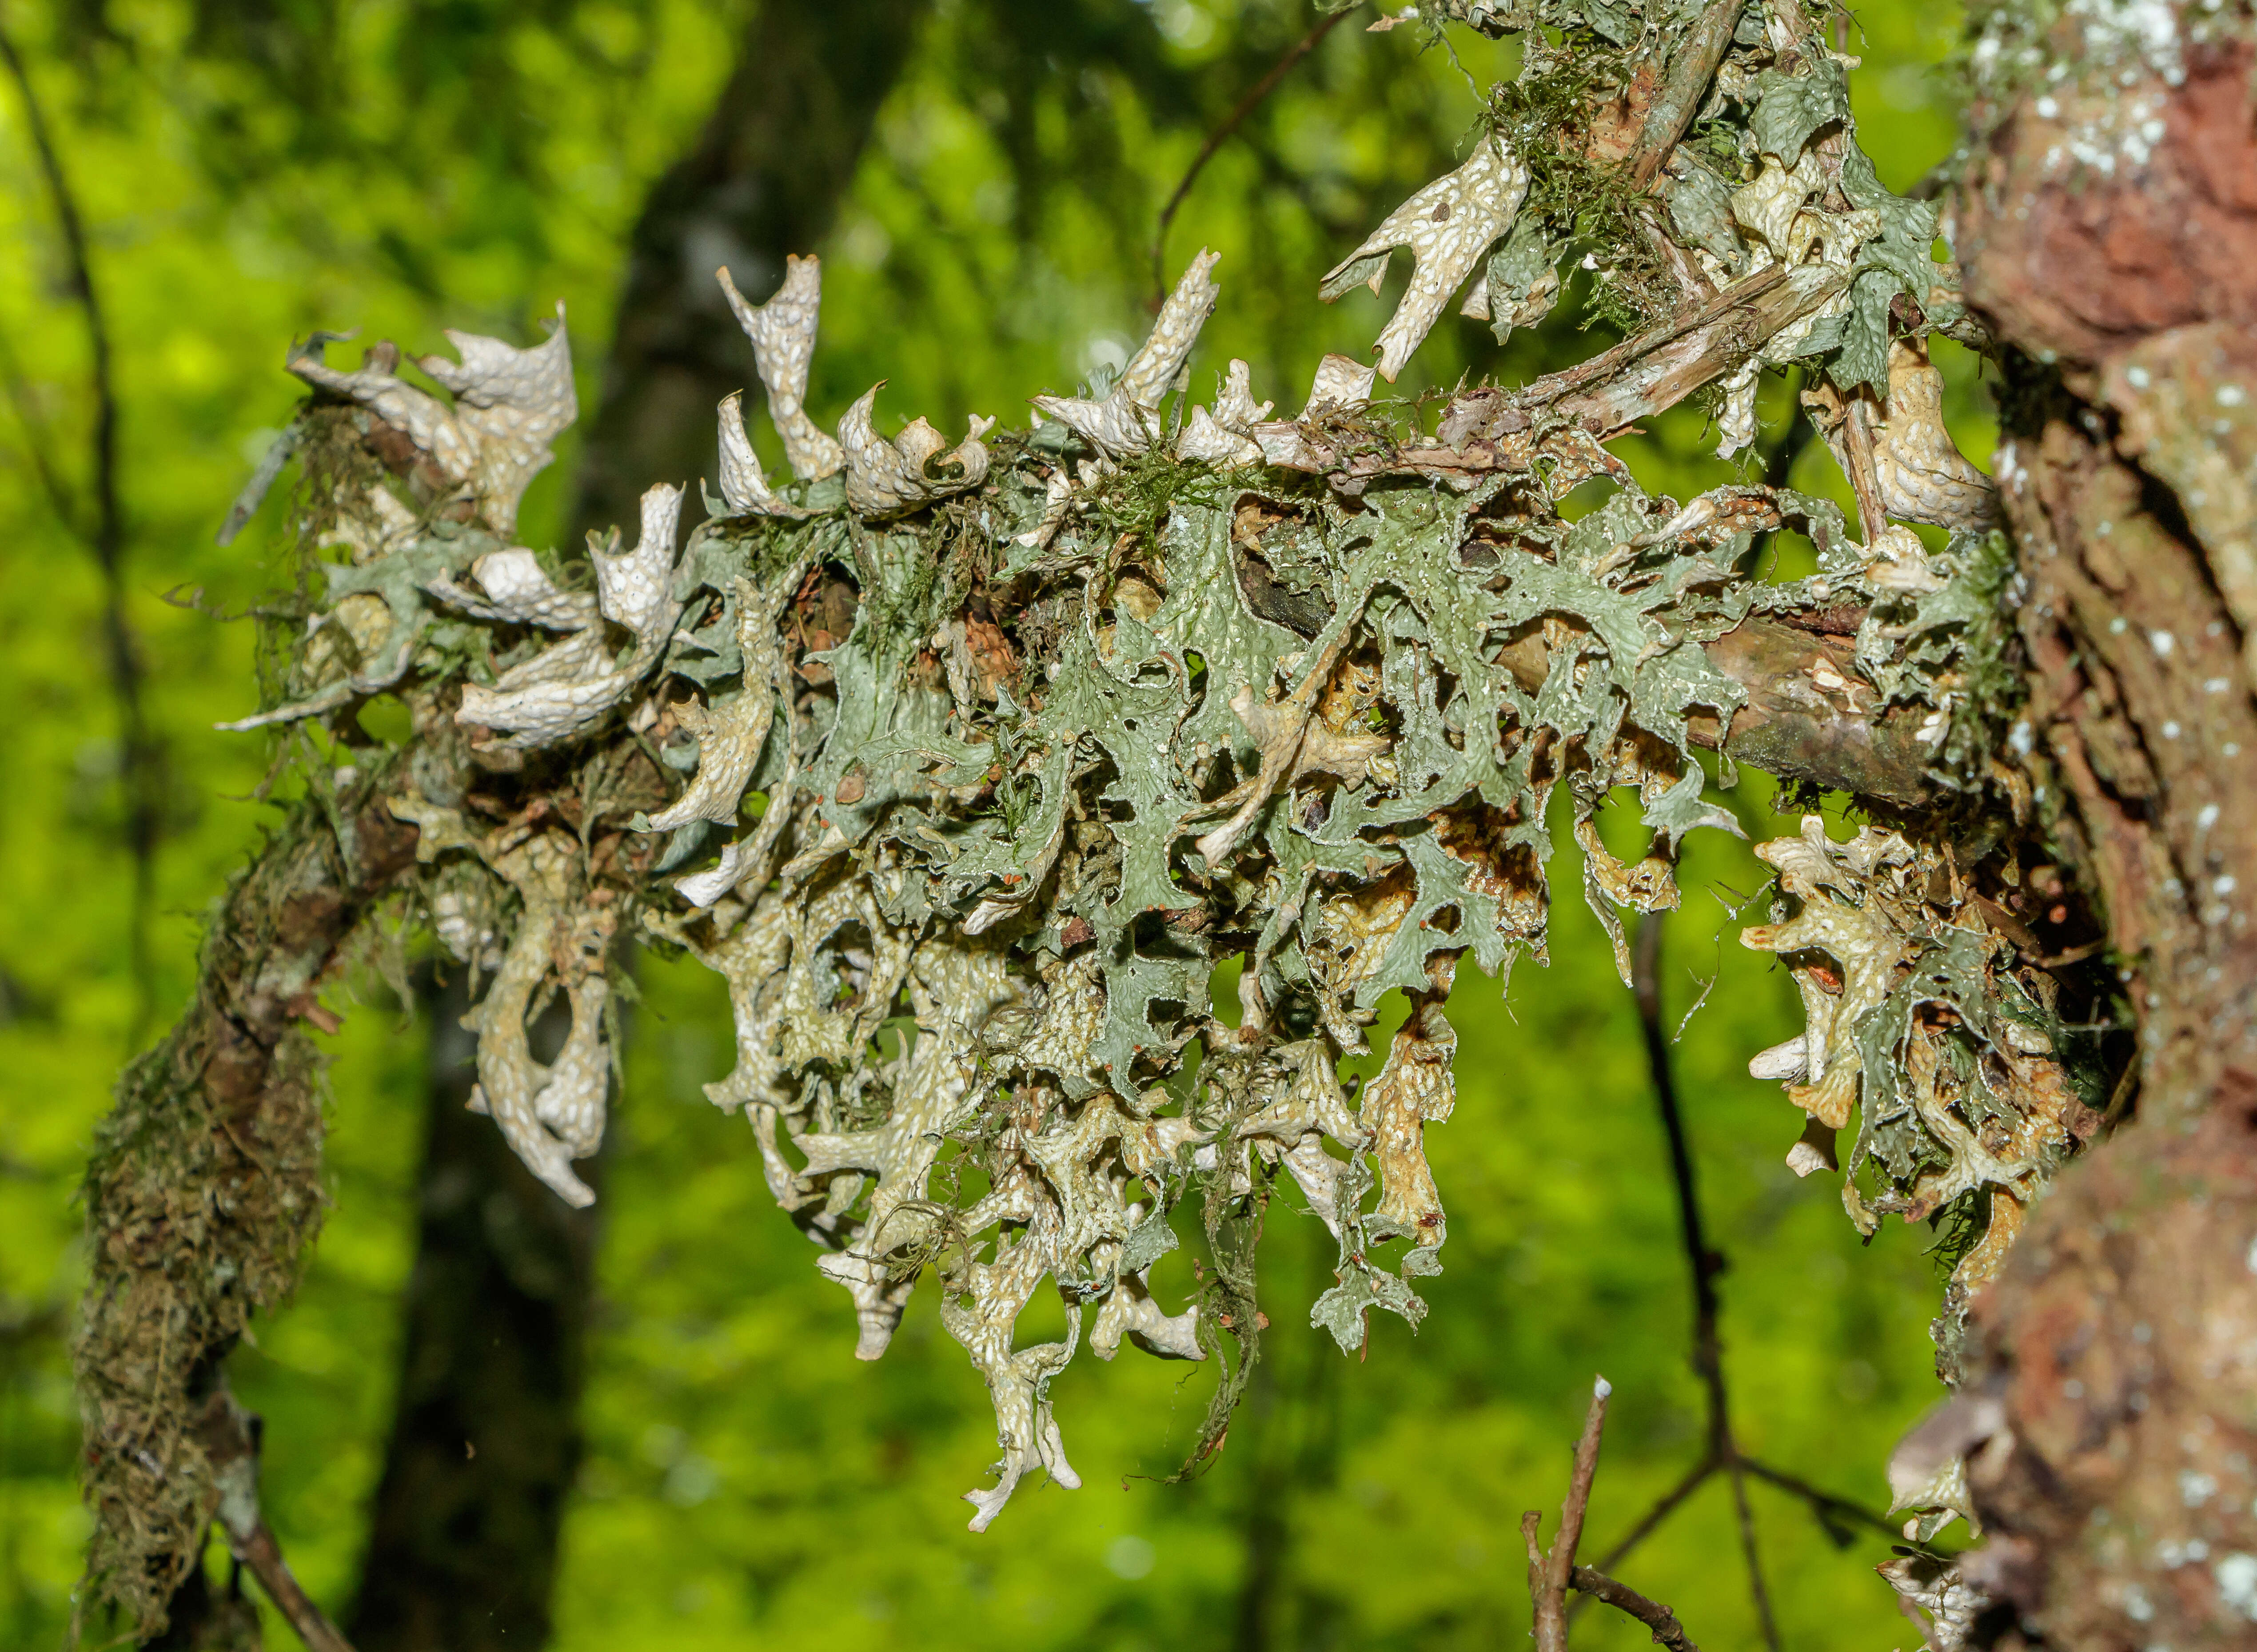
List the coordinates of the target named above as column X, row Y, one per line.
column 980, row 759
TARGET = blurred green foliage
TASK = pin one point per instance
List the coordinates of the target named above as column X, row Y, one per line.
column 403, row 165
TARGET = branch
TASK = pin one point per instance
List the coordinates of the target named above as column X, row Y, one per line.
column 1221, row 136
column 1549, row 1573
column 1702, row 1263
column 1651, row 372
column 1824, row 1504
column 105, row 537
column 230, row 1442
column 1747, row 1523
column 1788, row 727
column 228, row 1101
column 1660, row 1619
column 1647, row 375
column 1690, row 71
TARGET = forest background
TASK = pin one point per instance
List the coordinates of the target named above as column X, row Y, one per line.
column 247, row 173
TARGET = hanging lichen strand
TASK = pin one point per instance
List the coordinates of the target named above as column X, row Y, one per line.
column 968, row 765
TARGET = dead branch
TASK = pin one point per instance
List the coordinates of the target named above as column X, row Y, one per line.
column 230, row 1441
column 227, row 1100
column 1723, row 1454
column 1656, row 370
column 1690, row 71
column 1552, row 1572
column 1549, row 1573
column 1649, row 373
column 1660, row 1619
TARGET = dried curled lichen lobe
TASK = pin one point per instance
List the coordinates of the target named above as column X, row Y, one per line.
column 1922, row 1020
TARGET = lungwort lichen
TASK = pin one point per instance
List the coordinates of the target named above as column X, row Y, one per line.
column 975, row 762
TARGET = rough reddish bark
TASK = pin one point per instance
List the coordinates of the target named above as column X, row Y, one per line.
column 2119, row 1346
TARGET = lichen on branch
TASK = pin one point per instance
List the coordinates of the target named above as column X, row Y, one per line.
column 968, row 767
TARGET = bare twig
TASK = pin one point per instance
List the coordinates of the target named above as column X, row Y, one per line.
column 103, row 529
column 1828, row 1507
column 231, row 1436
column 1221, row 136
column 1692, row 69
column 1548, row 1581
column 1704, row 1263
column 1863, row 469
column 1552, row 1572
column 1756, row 1589
column 1660, row 1619
column 1649, row 373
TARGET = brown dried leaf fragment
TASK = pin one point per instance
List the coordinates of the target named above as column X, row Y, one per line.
column 1414, row 1089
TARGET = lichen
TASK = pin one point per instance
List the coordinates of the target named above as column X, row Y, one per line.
column 995, row 755
column 1924, row 1022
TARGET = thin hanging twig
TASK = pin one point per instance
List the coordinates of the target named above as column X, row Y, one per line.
column 1747, row 1521
column 102, row 527
column 1221, row 136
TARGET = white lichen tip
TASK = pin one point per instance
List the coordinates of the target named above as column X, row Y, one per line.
column 1601, row 1388
column 515, row 589
column 743, row 486
column 508, row 404
column 632, row 589
column 1126, row 421
column 1153, row 370
column 1338, row 383
column 1225, row 436
column 890, row 478
column 782, row 335
column 1447, row 226
column 731, row 735
column 562, row 689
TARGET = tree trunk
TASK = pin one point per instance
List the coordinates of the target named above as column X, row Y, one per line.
column 765, row 180
column 2113, row 1365
column 485, row 1439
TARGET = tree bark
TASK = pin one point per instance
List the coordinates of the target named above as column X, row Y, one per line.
column 485, row 1438
column 765, row 180
column 2113, row 1364
column 205, row 1187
